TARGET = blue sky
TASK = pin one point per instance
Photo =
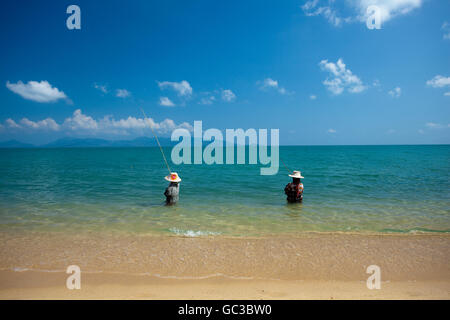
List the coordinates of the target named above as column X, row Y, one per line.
column 309, row 68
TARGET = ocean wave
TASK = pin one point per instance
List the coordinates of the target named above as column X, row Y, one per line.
column 192, row 233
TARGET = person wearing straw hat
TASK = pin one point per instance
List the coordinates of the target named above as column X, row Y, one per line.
column 294, row 189
column 173, row 190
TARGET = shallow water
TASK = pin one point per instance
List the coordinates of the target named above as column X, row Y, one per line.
column 396, row 189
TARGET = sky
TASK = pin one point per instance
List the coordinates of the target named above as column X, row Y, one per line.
column 312, row 69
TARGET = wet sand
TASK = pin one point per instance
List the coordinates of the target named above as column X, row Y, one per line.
column 307, row 266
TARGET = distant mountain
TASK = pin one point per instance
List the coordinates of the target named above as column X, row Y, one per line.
column 99, row 143
column 15, row 144
column 76, row 143
column 90, row 143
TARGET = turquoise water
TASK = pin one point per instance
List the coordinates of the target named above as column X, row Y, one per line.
column 397, row 189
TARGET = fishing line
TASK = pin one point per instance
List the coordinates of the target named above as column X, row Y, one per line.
column 160, row 148
column 285, row 166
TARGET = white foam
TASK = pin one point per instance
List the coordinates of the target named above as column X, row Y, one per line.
column 192, row 233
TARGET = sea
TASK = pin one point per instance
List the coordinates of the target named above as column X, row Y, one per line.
column 348, row 189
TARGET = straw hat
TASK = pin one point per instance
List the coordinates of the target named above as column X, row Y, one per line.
column 296, row 174
column 173, row 177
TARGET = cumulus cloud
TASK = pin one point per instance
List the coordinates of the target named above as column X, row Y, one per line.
column 228, row 95
column 79, row 121
column 46, row 124
column 340, row 78
column 183, row 88
column 329, row 9
column 36, row 91
column 389, row 9
column 11, row 123
column 439, row 82
column 166, row 102
column 122, row 93
column 331, row 130
column 313, row 97
column 82, row 124
column 447, row 94
column 269, row 83
column 396, row 92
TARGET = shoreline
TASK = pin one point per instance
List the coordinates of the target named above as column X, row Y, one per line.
column 323, row 266
column 36, row 285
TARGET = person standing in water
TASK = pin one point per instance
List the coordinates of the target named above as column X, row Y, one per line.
column 172, row 192
column 294, row 189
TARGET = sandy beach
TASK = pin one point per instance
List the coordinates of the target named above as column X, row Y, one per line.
column 306, row 266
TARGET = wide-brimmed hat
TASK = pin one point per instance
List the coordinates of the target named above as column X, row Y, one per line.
column 296, row 174
column 173, row 177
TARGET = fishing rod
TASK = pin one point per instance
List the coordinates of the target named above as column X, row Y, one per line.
column 156, row 137
column 162, row 152
column 285, row 166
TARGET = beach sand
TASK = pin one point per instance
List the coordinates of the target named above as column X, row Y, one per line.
column 306, row 266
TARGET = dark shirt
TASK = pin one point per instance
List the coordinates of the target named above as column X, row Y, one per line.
column 294, row 192
column 172, row 193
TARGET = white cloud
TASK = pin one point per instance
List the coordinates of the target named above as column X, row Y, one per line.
column 183, row 88
column 168, row 125
column 446, row 28
column 11, row 123
column 102, row 88
column 166, row 102
column 46, row 124
column 228, row 95
column 331, row 130
column 396, row 92
column 82, row 124
column 282, row 90
column 433, row 125
column 269, row 83
column 79, row 121
column 447, row 94
column 36, row 91
column 131, row 124
column 311, row 9
column 207, row 100
column 389, row 9
column 439, row 82
column 313, row 97
column 341, row 78
column 310, row 4
column 128, row 123
column 122, row 93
